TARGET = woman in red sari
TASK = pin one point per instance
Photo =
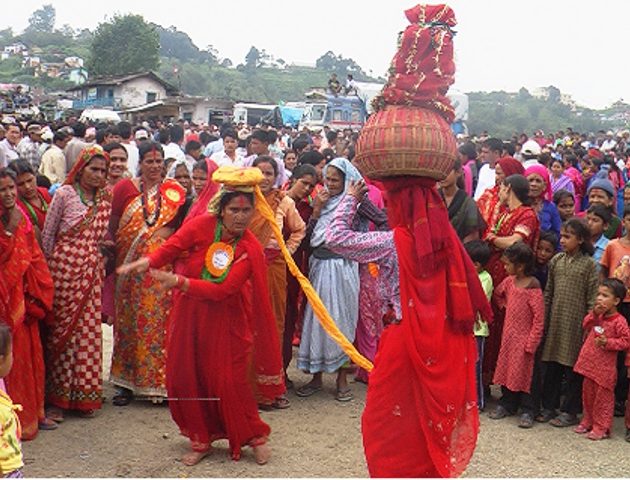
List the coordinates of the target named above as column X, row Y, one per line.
column 73, row 235
column 517, row 222
column 488, row 204
column 215, row 329
column 26, row 296
column 32, row 199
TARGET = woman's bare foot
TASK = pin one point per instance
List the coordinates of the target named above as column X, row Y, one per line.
column 262, row 453
column 193, row 458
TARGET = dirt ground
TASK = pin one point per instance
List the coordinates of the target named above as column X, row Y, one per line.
column 316, row 437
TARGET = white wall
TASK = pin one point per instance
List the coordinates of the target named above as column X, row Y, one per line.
column 134, row 92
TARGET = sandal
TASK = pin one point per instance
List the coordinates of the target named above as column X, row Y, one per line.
column 526, row 421
column 627, row 435
column 308, row 390
column 545, row 416
column 55, row 414
column 288, row 383
column 123, row 397
column 499, row 413
column 344, row 395
column 86, row 413
column 47, row 424
column 265, row 407
column 564, row 420
column 280, row 403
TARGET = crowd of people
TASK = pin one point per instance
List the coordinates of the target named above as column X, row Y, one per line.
column 110, row 223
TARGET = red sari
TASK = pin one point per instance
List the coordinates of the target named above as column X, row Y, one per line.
column 214, row 331
column 36, row 214
column 421, row 417
column 26, row 295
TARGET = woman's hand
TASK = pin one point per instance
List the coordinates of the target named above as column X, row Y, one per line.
column 358, row 189
column 319, row 201
column 169, row 280
column 139, row 266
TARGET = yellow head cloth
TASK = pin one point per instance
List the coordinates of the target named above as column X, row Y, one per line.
column 234, row 179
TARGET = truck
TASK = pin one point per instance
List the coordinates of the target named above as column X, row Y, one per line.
column 351, row 111
column 339, row 111
column 251, row 113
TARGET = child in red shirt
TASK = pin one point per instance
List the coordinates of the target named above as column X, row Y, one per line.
column 607, row 333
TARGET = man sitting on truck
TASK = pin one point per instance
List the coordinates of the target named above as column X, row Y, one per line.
column 333, row 85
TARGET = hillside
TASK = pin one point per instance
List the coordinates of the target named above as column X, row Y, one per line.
column 261, row 77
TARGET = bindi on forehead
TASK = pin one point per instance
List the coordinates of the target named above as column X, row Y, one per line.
column 242, row 203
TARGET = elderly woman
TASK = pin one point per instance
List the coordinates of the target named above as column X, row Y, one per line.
column 215, row 329
column 293, row 227
column 489, row 204
column 145, row 213
column 75, row 228
column 336, row 280
column 541, row 198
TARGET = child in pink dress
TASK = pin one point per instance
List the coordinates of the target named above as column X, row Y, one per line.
column 607, row 333
column 521, row 296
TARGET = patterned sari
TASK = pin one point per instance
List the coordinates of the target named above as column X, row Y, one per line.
column 74, row 376
column 142, row 309
column 26, row 295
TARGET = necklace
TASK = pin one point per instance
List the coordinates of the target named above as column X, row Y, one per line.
column 87, row 203
column 150, row 219
column 219, row 257
column 31, row 209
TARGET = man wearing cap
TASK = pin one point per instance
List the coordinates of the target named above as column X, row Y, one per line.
column 8, row 146
column 530, row 152
column 28, row 148
column 609, row 142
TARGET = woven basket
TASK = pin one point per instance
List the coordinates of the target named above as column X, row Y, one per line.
column 401, row 141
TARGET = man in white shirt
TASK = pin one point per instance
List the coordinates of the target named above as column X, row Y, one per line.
column 229, row 155
column 491, row 151
column 172, row 148
column 8, row 146
column 53, row 163
column 609, row 143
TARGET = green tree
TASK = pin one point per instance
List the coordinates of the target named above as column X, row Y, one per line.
column 126, row 44
column 253, row 57
column 42, row 19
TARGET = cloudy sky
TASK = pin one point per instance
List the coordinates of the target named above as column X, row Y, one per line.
column 579, row 47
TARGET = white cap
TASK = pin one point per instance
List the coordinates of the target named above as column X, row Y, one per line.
column 530, row 147
column 142, row 135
